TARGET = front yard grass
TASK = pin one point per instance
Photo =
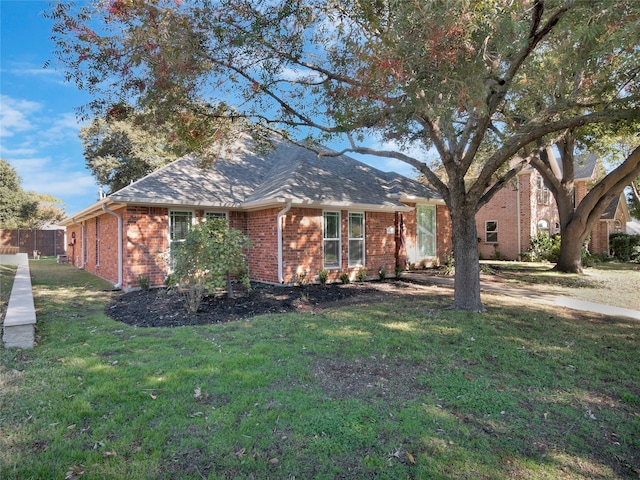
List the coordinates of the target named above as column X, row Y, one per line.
column 610, row 283
column 7, row 274
column 404, row 389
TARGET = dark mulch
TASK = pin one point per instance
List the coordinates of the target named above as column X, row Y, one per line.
column 163, row 308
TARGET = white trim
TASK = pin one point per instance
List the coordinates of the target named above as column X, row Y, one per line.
column 362, row 238
column 339, row 239
column 496, row 231
column 281, row 214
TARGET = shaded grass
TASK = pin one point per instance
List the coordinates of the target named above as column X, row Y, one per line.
column 405, row 389
column 595, row 285
column 7, row 275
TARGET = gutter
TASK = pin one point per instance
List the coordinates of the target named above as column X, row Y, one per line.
column 73, row 221
column 119, row 217
column 281, row 214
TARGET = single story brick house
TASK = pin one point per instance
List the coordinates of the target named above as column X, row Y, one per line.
column 526, row 206
column 302, row 212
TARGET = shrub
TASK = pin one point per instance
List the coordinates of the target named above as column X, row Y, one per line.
column 544, row 248
column 144, row 282
column 382, row 274
column 361, row 275
column 448, row 268
column 204, row 263
column 624, row 246
column 300, row 279
column 344, row 278
column 323, row 276
column 399, row 271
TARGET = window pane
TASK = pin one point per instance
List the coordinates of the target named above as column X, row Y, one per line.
column 356, row 225
column 491, row 232
column 180, row 224
column 212, row 215
column 331, row 253
column 426, row 230
column 356, row 253
column 331, row 225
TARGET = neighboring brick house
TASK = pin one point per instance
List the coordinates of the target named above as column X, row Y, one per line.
column 526, row 206
column 303, row 213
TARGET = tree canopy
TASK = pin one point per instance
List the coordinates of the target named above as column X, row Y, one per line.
column 118, row 149
column 21, row 209
column 479, row 83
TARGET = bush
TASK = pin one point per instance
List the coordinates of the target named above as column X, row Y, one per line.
column 544, row 248
column 625, row 247
column 344, row 278
column 448, row 267
column 301, row 279
column 382, row 273
column 361, row 275
column 144, row 282
column 204, row 263
column 323, row 276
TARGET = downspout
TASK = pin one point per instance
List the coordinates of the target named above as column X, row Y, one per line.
column 119, row 217
column 81, row 267
column 281, row 214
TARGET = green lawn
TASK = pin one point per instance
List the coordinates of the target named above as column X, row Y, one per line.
column 7, row 274
column 404, row 389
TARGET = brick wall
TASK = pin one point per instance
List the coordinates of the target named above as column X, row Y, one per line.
column 145, row 238
column 262, row 256
column 503, row 208
column 444, row 240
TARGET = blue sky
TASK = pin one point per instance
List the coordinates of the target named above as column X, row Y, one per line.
column 38, row 125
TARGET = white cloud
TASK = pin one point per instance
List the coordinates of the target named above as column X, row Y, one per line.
column 61, row 129
column 13, row 115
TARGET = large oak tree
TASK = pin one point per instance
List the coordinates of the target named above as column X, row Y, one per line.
column 478, row 82
column 579, row 218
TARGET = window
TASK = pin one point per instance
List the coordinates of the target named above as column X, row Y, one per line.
column 426, row 215
column 617, row 226
column 491, row 232
column 213, row 215
column 543, row 227
column 543, row 192
column 179, row 225
column 356, row 239
column 331, row 237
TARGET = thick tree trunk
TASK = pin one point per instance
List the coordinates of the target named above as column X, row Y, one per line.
column 465, row 253
column 570, row 259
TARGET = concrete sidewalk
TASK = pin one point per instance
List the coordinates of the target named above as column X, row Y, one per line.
column 560, row 301
column 20, row 319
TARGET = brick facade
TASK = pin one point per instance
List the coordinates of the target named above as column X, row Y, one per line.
column 146, row 238
column 523, row 193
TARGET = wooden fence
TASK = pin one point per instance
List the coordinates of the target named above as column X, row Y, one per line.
column 48, row 242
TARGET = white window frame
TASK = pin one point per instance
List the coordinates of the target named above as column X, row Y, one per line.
column 192, row 220
column 542, row 228
column 326, row 239
column 488, row 232
column 360, row 239
column 422, row 233
column 543, row 194
column 214, row 214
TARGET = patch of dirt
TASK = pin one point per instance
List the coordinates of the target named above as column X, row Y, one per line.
column 163, row 308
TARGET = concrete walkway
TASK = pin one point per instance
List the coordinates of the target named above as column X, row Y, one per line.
column 20, row 319
column 560, row 301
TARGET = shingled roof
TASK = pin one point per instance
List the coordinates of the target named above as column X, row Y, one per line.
column 247, row 178
column 251, row 179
